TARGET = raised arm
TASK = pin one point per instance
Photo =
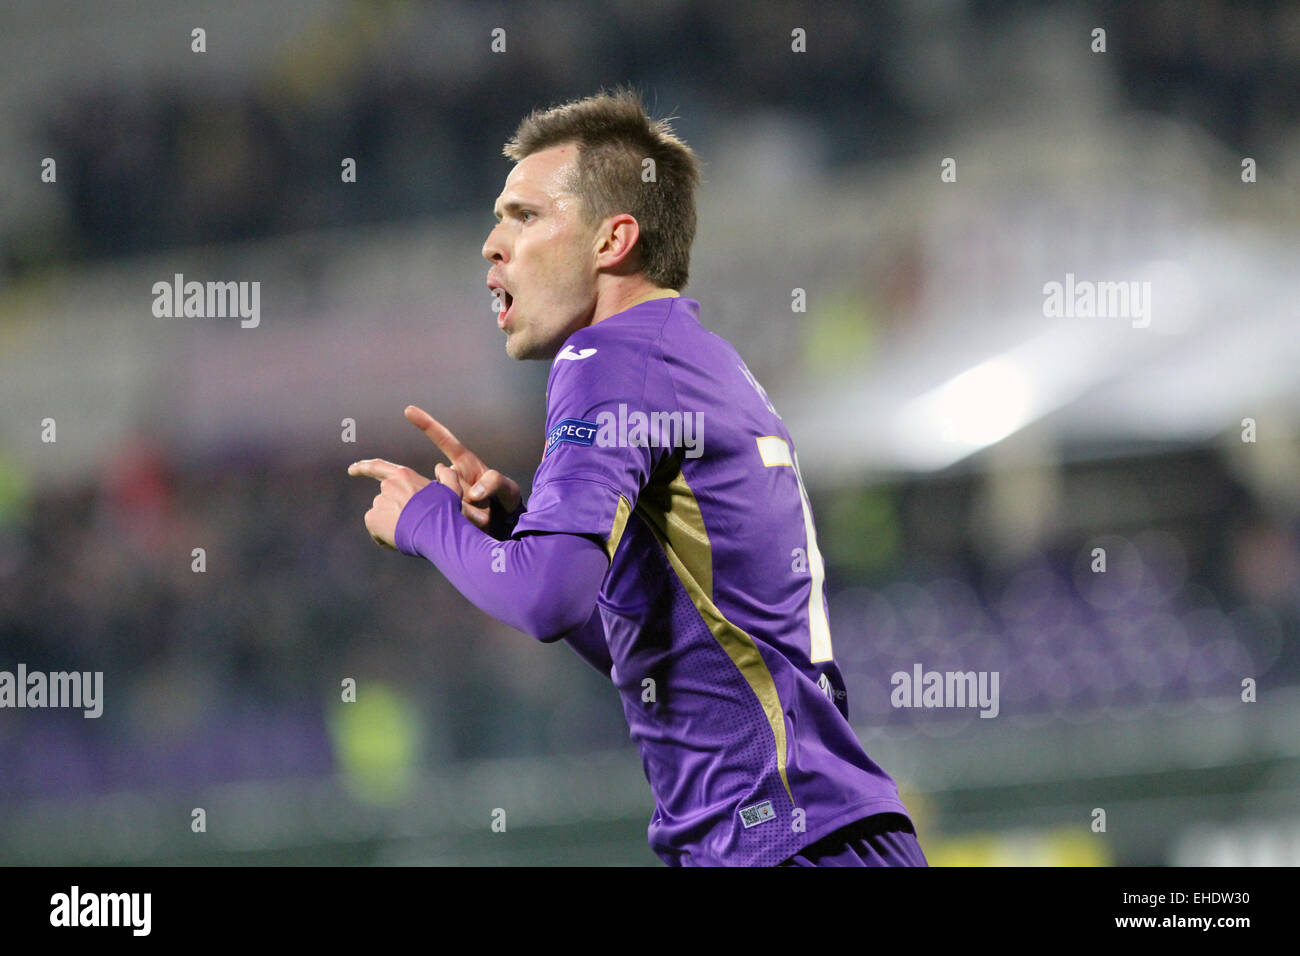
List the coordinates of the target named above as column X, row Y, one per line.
column 490, row 500
column 543, row 584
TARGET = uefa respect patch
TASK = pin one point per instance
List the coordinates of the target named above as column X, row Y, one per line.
column 573, row 430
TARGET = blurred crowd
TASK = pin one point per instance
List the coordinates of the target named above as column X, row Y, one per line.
column 402, row 89
column 233, row 672
column 230, row 663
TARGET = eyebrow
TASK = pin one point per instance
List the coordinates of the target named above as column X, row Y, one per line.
column 514, row 206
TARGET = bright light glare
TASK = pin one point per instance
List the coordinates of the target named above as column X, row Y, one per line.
column 979, row 407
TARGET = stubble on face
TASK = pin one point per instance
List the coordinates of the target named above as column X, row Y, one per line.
column 549, row 257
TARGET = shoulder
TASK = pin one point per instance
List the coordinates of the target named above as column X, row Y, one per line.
column 614, row 358
column 597, row 371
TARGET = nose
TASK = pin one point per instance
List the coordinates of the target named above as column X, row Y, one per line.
column 493, row 248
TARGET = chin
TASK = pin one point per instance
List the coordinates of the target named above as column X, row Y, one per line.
column 520, row 348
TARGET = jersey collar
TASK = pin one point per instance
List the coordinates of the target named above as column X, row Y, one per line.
column 657, row 294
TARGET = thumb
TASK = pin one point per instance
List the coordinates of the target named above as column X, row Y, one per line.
column 447, row 475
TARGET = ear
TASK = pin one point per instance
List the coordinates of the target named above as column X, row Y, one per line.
column 616, row 241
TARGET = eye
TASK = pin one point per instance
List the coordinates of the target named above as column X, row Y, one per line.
column 525, row 213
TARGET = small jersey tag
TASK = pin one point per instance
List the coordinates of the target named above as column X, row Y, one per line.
column 756, row 814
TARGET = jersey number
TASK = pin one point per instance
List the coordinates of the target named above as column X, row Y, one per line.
column 775, row 452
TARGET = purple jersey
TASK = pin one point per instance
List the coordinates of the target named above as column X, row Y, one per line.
column 661, row 445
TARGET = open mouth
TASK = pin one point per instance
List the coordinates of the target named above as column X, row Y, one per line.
column 503, row 300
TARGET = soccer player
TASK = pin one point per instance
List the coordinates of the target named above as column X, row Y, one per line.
column 668, row 537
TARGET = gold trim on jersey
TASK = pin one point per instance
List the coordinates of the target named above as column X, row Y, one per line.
column 672, row 513
column 616, row 530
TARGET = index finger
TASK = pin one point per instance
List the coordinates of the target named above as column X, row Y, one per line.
column 467, row 464
column 437, row 432
column 373, row 468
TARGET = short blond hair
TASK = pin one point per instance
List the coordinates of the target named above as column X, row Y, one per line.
column 615, row 136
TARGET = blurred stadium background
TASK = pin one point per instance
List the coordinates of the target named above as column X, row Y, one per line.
column 965, row 454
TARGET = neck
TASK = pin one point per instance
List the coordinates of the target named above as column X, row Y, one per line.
column 626, row 294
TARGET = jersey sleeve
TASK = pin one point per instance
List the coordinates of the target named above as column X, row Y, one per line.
column 593, row 468
column 544, row 586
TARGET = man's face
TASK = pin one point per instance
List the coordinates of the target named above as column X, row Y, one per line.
column 542, row 256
